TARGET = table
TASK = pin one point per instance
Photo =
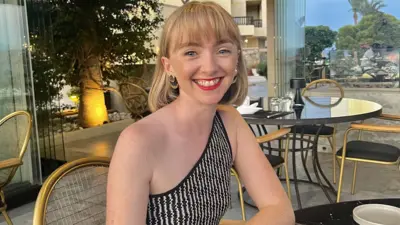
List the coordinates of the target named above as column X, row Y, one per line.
column 321, row 111
column 337, row 213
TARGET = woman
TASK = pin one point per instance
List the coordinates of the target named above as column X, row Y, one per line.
column 173, row 167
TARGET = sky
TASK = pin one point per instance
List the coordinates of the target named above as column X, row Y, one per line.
column 337, row 13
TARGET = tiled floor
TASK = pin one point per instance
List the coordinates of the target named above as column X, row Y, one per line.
column 373, row 181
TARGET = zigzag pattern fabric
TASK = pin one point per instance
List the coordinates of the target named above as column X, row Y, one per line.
column 203, row 196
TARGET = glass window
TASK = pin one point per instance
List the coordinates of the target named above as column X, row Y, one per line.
column 354, row 42
column 16, row 91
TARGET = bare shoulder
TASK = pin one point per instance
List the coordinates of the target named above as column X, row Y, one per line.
column 231, row 118
column 229, row 115
column 137, row 140
column 131, row 171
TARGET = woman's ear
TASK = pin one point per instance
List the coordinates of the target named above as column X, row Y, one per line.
column 166, row 64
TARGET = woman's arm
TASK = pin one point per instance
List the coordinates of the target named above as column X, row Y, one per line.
column 128, row 180
column 260, row 180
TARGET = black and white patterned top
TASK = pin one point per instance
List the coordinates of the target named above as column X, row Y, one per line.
column 203, row 196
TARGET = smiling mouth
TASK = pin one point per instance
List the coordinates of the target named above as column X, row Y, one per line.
column 209, row 84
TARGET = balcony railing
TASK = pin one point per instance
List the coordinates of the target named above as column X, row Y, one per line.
column 247, row 20
column 257, row 22
column 243, row 20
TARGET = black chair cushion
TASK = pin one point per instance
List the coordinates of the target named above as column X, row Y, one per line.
column 371, row 151
column 313, row 129
column 274, row 160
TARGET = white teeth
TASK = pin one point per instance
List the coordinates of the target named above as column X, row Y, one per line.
column 207, row 83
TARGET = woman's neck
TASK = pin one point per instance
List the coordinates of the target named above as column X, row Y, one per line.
column 192, row 113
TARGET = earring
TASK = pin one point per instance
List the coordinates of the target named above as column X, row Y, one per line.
column 173, row 82
column 234, row 79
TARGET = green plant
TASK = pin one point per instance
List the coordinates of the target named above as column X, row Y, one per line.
column 86, row 43
column 374, row 28
column 262, row 69
column 318, row 38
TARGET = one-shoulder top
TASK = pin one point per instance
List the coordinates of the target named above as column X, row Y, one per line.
column 203, row 196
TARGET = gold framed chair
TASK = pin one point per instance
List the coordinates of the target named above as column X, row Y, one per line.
column 236, row 175
column 277, row 161
column 135, row 98
column 75, row 193
column 262, row 139
column 327, row 132
column 9, row 167
column 232, row 222
column 365, row 151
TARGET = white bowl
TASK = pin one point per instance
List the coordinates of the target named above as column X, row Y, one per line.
column 376, row 214
column 248, row 109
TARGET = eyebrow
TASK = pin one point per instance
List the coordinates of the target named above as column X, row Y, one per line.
column 196, row 44
column 224, row 41
column 187, row 44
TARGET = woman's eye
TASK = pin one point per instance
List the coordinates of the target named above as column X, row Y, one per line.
column 224, row 51
column 190, row 53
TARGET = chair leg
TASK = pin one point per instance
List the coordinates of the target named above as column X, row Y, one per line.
column 279, row 170
column 234, row 173
column 353, row 184
column 287, row 180
column 285, row 164
column 7, row 218
column 332, row 142
column 340, row 180
column 4, row 208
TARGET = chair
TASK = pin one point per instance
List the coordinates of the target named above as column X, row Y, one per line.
column 135, row 98
column 365, row 151
column 235, row 174
column 327, row 132
column 238, row 222
column 74, row 194
column 9, row 167
column 276, row 161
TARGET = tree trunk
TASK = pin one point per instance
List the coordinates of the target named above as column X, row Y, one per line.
column 355, row 53
column 92, row 108
column 355, row 18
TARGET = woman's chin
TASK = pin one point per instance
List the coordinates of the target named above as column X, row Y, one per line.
column 210, row 100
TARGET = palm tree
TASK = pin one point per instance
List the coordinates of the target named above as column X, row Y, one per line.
column 364, row 7
column 371, row 7
column 355, row 8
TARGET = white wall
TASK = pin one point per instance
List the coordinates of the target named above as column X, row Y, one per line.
column 238, row 8
column 264, row 14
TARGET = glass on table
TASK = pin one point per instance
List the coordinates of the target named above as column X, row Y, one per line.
column 274, row 105
column 286, row 104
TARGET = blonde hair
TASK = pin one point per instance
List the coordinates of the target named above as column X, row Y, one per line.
column 193, row 20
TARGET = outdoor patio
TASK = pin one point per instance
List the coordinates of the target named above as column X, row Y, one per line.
column 373, row 181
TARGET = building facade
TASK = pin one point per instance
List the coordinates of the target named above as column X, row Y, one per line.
column 251, row 17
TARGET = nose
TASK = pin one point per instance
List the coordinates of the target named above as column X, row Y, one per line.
column 209, row 64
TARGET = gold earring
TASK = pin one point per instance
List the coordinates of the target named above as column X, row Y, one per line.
column 173, row 82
